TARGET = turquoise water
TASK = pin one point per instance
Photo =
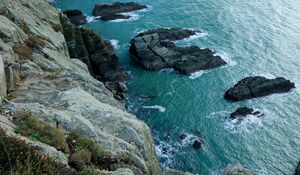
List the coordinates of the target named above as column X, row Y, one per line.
column 256, row 38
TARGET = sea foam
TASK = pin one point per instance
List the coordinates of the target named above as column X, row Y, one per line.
column 159, row 108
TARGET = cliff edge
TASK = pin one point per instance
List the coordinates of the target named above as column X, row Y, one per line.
column 39, row 79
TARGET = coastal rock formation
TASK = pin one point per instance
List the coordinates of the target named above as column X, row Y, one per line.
column 243, row 112
column 154, row 51
column 76, row 17
column 236, row 169
column 98, row 55
column 115, row 10
column 42, row 80
column 257, row 86
column 297, row 171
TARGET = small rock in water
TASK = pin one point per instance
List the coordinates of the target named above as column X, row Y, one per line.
column 183, row 136
column 243, row 112
column 197, row 144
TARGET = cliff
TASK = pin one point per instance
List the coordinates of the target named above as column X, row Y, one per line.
column 39, row 79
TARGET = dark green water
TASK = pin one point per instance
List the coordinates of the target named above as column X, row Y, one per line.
column 256, row 38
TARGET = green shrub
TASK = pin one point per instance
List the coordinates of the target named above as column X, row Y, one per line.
column 39, row 130
column 17, row 157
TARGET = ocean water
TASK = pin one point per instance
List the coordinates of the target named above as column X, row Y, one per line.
column 255, row 37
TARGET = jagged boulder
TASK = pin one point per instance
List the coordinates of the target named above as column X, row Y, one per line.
column 154, row 51
column 257, row 86
column 98, row 55
column 114, row 10
column 76, row 17
column 243, row 112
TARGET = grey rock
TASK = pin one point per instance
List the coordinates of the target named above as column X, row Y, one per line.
column 243, row 112
column 257, row 86
column 3, row 86
column 154, row 51
column 76, row 17
column 114, row 10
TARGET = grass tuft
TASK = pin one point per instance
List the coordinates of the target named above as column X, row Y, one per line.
column 41, row 131
column 17, row 157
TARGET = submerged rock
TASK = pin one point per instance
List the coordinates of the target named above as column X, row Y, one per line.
column 76, row 17
column 183, row 136
column 197, row 144
column 171, row 34
column 243, row 112
column 154, row 50
column 257, row 86
column 114, row 10
column 236, row 169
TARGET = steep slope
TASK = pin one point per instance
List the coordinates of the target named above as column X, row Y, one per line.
column 42, row 80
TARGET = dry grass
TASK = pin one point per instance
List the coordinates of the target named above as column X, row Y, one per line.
column 24, row 52
column 17, row 157
column 39, row 130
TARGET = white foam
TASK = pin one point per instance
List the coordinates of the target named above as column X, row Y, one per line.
column 133, row 17
column 167, row 70
column 243, row 124
column 197, row 74
column 166, row 152
column 196, row 36
column 190, row 138
column 226, row 57
column 115, row 42
column 160, row 108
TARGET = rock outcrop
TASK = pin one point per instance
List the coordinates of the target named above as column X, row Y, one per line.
column 76, row 17
column 257, row 86
column 44, row 81
column 98, row 55
column 243, row 112
column 236, row 169
column 115, row 10
column 3, row 86
column 154, row 51
column 297, row 171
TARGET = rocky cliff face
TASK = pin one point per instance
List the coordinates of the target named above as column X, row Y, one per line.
column 38, row 76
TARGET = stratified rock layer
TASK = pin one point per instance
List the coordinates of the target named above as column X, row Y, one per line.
column 115, row 10
column 154, row 51
column 257, row 86
column 98, row 55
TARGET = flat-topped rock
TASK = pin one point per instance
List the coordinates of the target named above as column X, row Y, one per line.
column 156, row 51
column 257, row 86
column 243, row 112
column 76, row 17
column 171, row 34
column 114, row 10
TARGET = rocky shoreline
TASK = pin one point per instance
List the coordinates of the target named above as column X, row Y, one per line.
column 69, row 80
